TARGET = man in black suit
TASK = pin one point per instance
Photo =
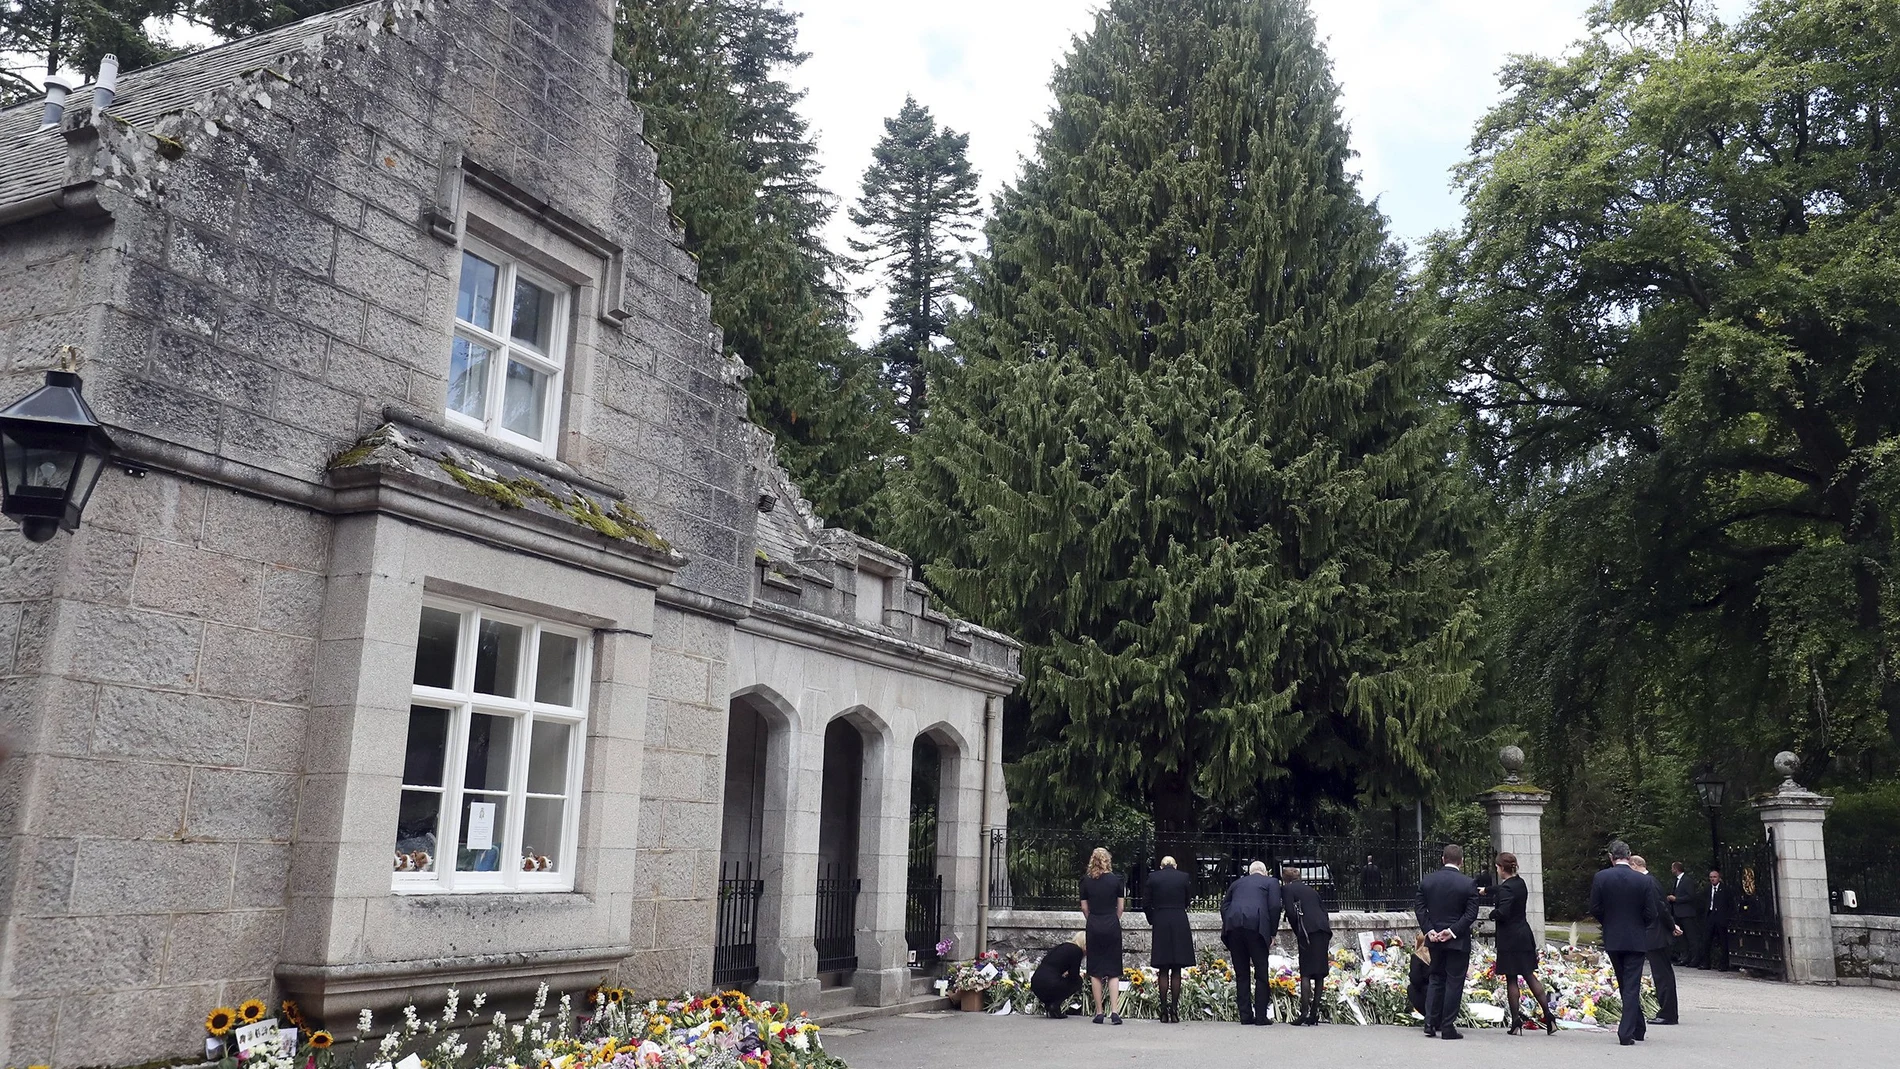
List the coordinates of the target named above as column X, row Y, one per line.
column 1249, row 918
column 1371, row 880
column 1718, row 904
column 1682, row 901
column 1447, row 908
column 1662, row 931
column 1620, row 901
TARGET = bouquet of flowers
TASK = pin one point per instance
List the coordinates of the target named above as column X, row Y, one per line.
column 978, row 974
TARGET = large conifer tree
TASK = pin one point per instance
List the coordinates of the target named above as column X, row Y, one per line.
column 709, row 76
column 1186, row 459
column 917, row 208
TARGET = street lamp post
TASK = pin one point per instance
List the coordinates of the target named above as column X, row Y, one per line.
column 1711, row 787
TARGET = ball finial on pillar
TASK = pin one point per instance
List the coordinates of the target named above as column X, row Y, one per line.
column 1512, row 758
column 1787, row 763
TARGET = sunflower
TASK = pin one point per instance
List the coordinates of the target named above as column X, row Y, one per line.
column 719, row 1026
column 321, row 1040
column 221, row 1020
column 252, row 1010
column 292, row 1015
column 616, row 995
column 715, row 1004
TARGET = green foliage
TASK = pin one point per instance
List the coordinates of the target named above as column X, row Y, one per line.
column 1677, row 342
column 1184, row 458
column 738, row 156
column 917, row 207
column 40, row 37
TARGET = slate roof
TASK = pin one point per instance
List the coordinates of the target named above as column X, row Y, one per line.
column 35, row 163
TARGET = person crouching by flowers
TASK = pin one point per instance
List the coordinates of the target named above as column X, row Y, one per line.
column 1059, row 975
column 1313, row 930
column 1103, row 898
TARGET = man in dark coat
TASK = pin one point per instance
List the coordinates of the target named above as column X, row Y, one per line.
column 1249, row 918
column 1059, row 976
column 1371, row 880
column 1718, row 905
column 1683, row 903
column 1620, row 901
column 1662, row 933
column 1447, row 908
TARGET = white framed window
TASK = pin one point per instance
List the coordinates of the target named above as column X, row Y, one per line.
column 510, row 349
column 492, row 770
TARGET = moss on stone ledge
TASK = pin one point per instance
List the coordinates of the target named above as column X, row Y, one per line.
column 619, row 521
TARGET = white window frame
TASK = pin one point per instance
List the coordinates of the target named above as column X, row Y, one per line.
column 462, row 703
column 500, row 342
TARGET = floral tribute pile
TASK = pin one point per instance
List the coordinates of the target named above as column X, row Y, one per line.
column 613, row 1031
column 1369, row 990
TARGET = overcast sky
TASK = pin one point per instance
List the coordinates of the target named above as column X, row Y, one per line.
column 1417, row 74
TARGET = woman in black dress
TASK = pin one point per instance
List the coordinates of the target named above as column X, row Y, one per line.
column 1165, row 901
column 1059, row 976
column 1103, row 897
column 1313, row 931
column 1517, row 945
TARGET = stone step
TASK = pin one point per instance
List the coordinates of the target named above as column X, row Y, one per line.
column 830, row 1017
column 834, row 998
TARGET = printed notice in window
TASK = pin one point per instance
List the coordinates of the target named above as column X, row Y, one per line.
column 481, row 825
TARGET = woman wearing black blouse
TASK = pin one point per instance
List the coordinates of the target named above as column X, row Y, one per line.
column 1165, row 901
column 1103, row 897
column 1517, row 944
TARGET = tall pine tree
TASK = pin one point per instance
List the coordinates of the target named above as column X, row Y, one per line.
column 1185, row 458
column 917, row 209
column 707, row 74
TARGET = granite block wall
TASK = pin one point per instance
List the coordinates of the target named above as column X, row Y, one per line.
column 157, row 702
column 1867, row 950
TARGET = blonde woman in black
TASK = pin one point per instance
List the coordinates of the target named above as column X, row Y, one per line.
column 1103, row 897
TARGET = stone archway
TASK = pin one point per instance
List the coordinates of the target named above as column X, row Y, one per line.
column 757, row 732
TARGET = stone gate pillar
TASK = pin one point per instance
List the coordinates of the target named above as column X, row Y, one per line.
column 1517, row 827
column 1795, row 815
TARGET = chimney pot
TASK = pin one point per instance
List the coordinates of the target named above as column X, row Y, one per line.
column 57, row 89
column 106, row 87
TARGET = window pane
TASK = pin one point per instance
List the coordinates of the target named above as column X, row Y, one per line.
column 524, row 400
column 533, row 324
column 547, row 757
column 483, row 818
column 498, row 659
column 554, row 672
column 428, row 751
column 475, row 297
column 490, row 752
column 436, row 640
column 468, row 378
column 542, row 827
column 416, row 831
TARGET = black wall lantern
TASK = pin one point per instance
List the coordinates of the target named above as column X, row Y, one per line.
column 52, row 449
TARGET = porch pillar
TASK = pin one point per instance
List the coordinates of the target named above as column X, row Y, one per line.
column 883, row 973
column 1517, row 816
column 788, row 908
column 1795, row 815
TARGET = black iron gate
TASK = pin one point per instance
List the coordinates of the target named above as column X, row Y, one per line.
column 1754, row 929
column 736, row 952
column 923, row 919
column 837, row 927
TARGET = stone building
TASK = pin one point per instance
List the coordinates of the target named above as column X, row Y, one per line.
column 443, row 621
